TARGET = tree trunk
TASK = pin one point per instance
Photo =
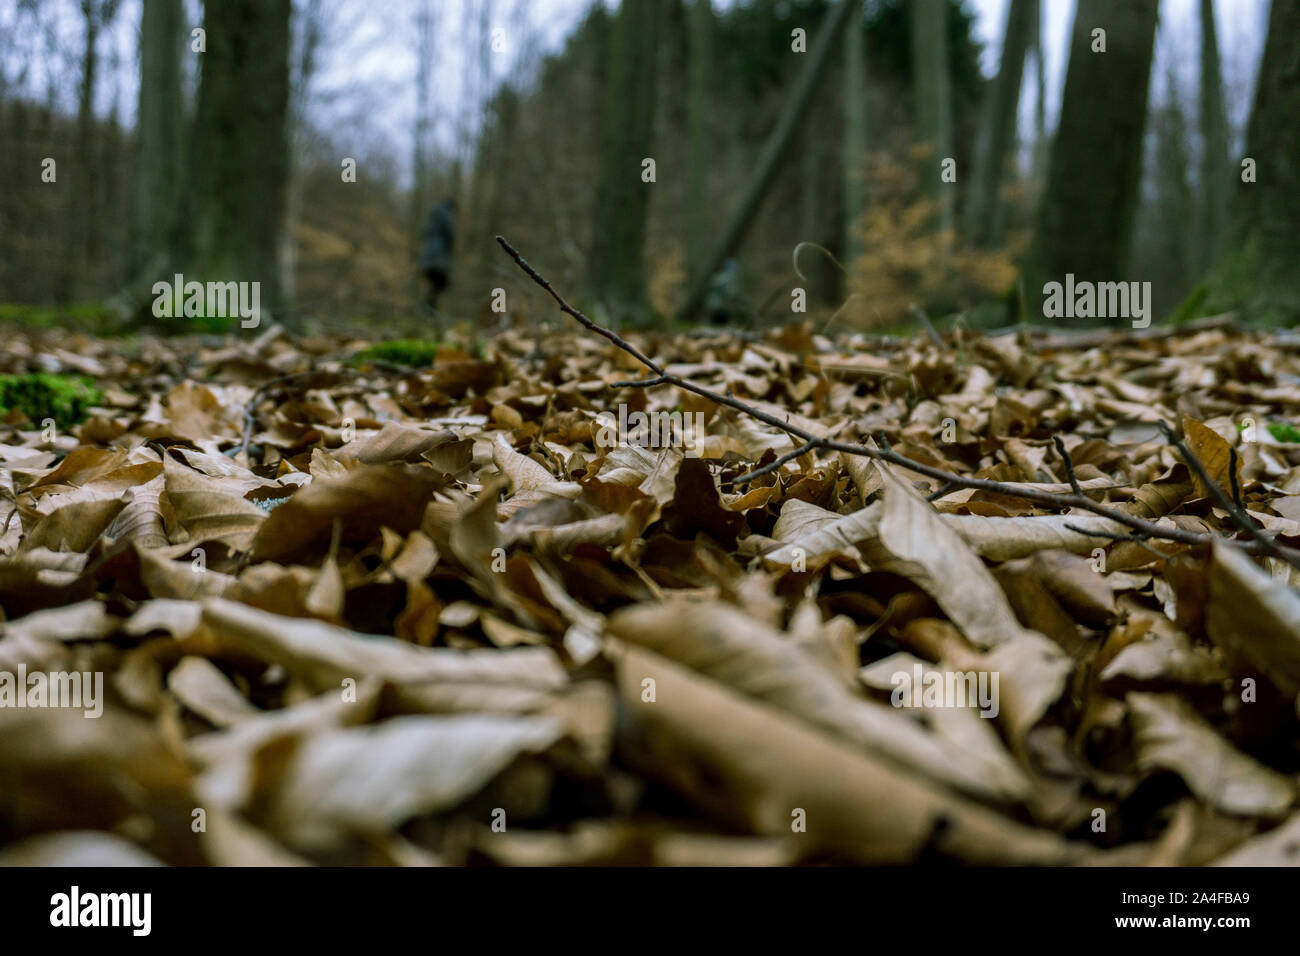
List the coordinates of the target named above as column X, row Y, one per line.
column 932, row 100
column 774, row 151
column 80, row 214
column 1042, row 148
column 240, row 145
column 997, row 136
column 1258, row 272
column 1215, row 164
column 1087, row 212
column 618, row 237
column 697, row 109
column 855, row 140
column 156, row 177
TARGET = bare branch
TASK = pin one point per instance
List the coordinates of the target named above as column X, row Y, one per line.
column 567, row 309
column 1069, row 465
column 1260, row 543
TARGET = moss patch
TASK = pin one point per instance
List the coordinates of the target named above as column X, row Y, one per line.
column 413, row 353
column 1284, row 431
column 65, row 399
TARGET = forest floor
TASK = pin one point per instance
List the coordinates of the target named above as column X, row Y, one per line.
column 346, row 611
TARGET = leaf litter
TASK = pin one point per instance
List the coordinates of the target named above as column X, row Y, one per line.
column 347, row 614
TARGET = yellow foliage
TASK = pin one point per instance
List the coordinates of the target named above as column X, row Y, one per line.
column 907, row 261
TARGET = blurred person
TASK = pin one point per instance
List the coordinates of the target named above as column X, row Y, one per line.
column 725, row 303
column 437, row 241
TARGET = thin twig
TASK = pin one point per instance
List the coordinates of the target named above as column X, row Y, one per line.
column 567, row 309
column 640, row 383
column 887, row 454
column 775, row 464
column 250, row 407
column 1137, row 537
column 930, row 330
column 1232, row 478
column 1069, row 465
column 1239, row 516
column 944, row 489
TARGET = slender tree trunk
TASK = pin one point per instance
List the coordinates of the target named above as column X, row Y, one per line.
column 83, row 211
column 932, row 100
column 425, row 52
column 1258, row 272
column 697, row 109
column 156, row 177
column 618, row 237
column 240, row 145
column 774, row 151
column 997, row 135
column 309, row 32
column 1087, row 212
column 1042, row 146
column 1215, row 165
column 1169, row 220
column 855, row 139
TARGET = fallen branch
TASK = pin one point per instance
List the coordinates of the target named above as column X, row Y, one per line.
column 887, row 454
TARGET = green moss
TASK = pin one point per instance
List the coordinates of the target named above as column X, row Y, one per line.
column 89, row 315
column 65, row 399
column 414, row 353
column 1284, row 431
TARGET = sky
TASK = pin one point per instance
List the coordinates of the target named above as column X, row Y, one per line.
column 371, row 59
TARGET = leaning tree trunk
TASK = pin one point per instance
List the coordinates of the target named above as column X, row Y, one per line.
column 1258, row 271
column 240, row 146
column 996, row 140
column 1087, row 212
column 156, row 176
column 618, row 233
column 773, row 153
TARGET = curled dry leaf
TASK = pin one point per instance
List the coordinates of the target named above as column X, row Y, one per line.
column 757, row 769
column 1170, row 735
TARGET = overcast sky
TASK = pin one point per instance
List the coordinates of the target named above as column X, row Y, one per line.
column 370, row 63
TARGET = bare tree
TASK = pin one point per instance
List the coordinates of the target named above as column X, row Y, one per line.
column 1215, row 165
column 240, row 146
column 159, row 141
column 1256, row 272
column 1088, row 207
column 932, row 99
column 855, row 137
column 618, row 235
column 83, row 243
column 697, row 213
column 982, row 216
